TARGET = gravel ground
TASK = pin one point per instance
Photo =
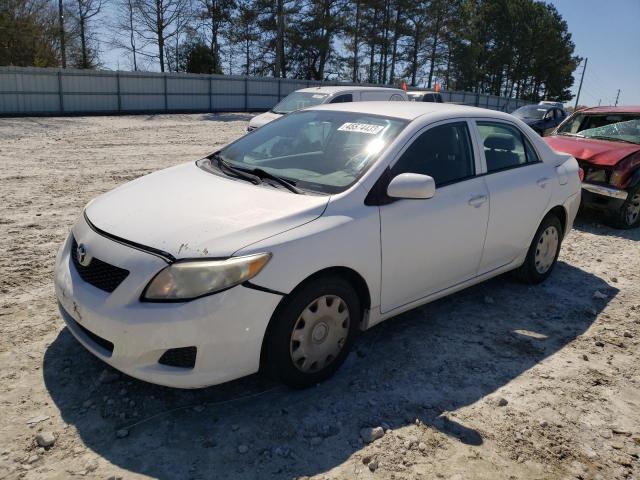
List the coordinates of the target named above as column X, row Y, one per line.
column 499, row 381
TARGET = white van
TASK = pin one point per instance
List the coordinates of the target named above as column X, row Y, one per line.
column 309, row 97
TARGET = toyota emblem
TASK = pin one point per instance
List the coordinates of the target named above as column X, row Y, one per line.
column 82, row 256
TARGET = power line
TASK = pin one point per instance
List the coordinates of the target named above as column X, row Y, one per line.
column 598, row 78
column 593, row 92
column 593, row 85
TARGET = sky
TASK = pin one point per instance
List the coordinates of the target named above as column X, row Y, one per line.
column 607, row 32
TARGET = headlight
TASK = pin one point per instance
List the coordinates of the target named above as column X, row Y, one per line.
column 624, row 170
column 186, row 280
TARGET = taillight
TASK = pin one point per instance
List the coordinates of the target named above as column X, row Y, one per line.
column 581, row 174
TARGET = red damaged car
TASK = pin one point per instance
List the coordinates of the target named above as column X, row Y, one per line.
column 606, row 143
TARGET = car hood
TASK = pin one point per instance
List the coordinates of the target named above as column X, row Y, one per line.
column 597, row 152
column 263, row 119
column 188, row 212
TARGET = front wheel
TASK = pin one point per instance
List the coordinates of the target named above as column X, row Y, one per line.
column 543, row 252
column 629, row 214
column 312, row 332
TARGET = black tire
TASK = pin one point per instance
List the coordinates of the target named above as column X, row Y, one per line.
column 278, row 344
column 528, row 272
column 623, row 218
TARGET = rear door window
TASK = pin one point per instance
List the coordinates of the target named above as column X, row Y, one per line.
column 505, row 146
column 344, row 98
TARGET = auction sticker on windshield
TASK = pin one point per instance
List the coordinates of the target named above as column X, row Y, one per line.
column 361, row 128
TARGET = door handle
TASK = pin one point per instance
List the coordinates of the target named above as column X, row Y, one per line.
column 542, row 182
column 477, row 200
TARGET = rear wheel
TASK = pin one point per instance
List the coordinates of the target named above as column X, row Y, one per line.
column 313, row 332
column 629, row 214
column 543, row 251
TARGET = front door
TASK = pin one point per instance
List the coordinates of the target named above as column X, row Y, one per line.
column 430, row 245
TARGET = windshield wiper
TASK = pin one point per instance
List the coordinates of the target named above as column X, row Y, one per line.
column 236, row 172
column 285, row 183
column 254, row 175
column 613, row 139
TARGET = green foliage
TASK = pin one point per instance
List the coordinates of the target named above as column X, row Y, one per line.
column 514, row 48
column 196, row 57
column 518, row 48
column 28, row 33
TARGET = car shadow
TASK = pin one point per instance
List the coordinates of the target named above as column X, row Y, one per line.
column 594, row 222
column 419, row 365
column 229, row 117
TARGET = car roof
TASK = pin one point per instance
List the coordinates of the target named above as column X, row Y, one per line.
column 346, row 88
column 411, row 110
column 540, row 106
column 620, row 109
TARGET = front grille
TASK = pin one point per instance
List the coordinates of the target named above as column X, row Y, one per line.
column 179, row 357
column 100, row 274
column 594, row 173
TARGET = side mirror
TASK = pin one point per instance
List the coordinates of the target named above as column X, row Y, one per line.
column 412, row 185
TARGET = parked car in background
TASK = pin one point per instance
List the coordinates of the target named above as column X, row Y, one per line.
column 324, row 223
column 309, row 97
column 606, row 143
column 541, row 118
column 425, row 96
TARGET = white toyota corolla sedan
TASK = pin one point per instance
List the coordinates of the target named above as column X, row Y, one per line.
column 276, row 250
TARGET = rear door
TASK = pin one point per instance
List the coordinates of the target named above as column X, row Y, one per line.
column 374, row 96
column 519, row 191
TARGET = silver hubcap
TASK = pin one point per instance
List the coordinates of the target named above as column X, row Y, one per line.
column 633, row 210
column 319, row 333
column 546, row 249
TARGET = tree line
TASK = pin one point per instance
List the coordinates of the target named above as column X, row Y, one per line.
column 514, row 48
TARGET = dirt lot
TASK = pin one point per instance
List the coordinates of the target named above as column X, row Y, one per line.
column 499, row 381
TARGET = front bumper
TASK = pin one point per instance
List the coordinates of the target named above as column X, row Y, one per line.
column 603, row 197
column 226, row 328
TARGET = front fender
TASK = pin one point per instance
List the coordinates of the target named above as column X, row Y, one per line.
column 337, row 239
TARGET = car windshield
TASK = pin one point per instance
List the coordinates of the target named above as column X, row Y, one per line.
column 299, row 100
column 321, row 151
column 534, row 112
column 606, row 126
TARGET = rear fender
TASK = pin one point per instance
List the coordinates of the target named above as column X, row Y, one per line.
column 566, row 168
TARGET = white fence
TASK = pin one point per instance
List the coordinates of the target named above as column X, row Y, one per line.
column 52, row 91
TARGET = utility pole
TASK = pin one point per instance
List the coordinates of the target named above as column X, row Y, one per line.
column 617, row 97
column 63, row 53
column 599, row 102
column 580, row 87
